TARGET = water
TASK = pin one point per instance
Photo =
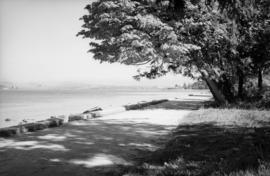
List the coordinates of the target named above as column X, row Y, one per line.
column 18, row 105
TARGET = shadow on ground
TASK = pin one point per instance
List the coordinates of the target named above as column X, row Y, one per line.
column 80, row 148
column 202, row 149
column 96, row 147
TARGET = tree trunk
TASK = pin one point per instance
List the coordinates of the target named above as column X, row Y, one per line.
column 214, row 89
column 260, row 79
column 240, row 84
column 225, row 86
column 218, row 96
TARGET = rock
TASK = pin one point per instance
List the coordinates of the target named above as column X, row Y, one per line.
column 9, row 132
column 7, row 119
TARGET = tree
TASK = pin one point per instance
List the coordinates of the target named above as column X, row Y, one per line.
column 193, row 38
column 260, row 53
column 249, row 19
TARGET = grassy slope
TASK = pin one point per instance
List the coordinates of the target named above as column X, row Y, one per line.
column 215, row 142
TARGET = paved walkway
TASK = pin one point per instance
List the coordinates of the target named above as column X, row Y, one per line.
column 95, row 147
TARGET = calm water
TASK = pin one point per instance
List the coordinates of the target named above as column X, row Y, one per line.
column 36, row 105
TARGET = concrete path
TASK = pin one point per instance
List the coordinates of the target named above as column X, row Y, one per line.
column 96, row 147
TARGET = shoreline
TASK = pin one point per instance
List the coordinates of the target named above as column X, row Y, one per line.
column 97, row 112
column 60, row 120
column 21, row 107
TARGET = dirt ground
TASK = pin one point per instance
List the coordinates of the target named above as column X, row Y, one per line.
column 103, row 146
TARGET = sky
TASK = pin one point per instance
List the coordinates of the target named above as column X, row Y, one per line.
column 38, row 44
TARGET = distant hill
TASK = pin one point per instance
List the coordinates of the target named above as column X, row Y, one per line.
column 15, row 86
column 66, row 86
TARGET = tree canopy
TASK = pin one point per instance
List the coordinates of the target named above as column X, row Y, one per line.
column 223, row 42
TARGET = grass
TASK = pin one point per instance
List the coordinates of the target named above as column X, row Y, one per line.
column 263, row 170
column 230, row 117
column 215, row 142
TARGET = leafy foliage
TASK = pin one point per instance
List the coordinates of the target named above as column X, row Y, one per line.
column 225, row 41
